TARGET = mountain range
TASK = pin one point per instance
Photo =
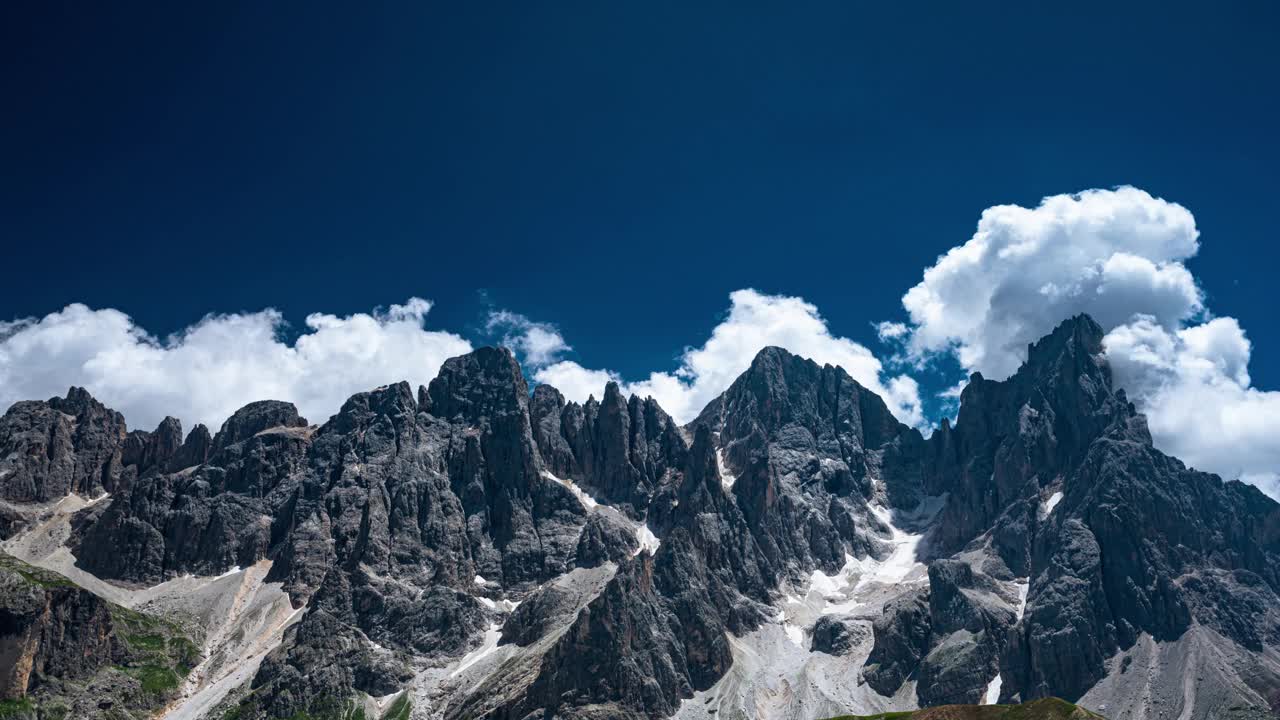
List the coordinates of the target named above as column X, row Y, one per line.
column 474, row 549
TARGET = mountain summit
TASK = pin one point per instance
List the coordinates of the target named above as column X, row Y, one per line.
column 477, row 550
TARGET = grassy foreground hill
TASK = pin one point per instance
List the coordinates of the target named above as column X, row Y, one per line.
column 1044, row 709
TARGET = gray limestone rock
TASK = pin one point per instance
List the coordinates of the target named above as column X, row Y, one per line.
column 59, row 446
column 381, row 519
column 837, row 636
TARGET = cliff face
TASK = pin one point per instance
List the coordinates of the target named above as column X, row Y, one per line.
column 67, row 652
column 64, row 445
column 77, row 445
column 498, row 553
column 49, row 629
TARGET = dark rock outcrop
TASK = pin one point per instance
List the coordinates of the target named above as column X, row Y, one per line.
column 65, row 652
column 1142, row 545
column 621, row 450
column 59, row 446
column 836, row 636
column 804, row 442
column 49, row 629
column 321, row 664
column 970, row 623
column 902, row 638
column 407, row 523
column 604, row 539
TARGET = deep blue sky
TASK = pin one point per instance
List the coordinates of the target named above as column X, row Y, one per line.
column 616, row 168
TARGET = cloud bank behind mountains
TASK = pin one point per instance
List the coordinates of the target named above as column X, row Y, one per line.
column 210, row 369
column 754, row 321
column 1119, row 256
column 219, row 364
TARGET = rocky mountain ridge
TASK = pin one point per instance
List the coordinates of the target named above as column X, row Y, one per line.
column 477, row 550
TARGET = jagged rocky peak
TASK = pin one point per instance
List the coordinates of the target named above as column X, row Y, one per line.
column 623, row 450
column 1014, row 438
column 59, row 446
column 493, row 548
column 195, row 449
column 394, row 401
column 798, row 408
column 805, row 446
column 780, row 388
column 486, row 383
column 1066, row 376
column 545, row 410
column 255, row 418
column 145, row 448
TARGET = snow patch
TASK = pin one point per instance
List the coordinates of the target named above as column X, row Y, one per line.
column 503, row 605
column 794, row 633
column 647, row 540
column 1050, row 504
column 902, row 560
column 490, row 644
column 94, row 501
column 1023, row 588
column 479, row 580
column 829, row 586
column 726, row 478
column 587, row 501
column 993, row 691
column 860, row 584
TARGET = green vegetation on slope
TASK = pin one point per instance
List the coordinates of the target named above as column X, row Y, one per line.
column 148, row 657
column 32, row 574
column 399, row 709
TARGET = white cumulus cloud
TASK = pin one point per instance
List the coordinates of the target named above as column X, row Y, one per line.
column 1119, row 256
column 1111, row 253
column 755, row 320
column 538, row 344
column 1194, row 386
column 210, row 369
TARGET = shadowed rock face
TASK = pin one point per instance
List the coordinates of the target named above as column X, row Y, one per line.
column 61, row 446
column 403, row 519
column 623, row 451
column 64, row 649
column 76, row 445
column 49, row 631
column 807, row 445
column 1013, row 438
column 836, row 636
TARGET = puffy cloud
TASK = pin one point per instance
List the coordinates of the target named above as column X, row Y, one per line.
column 576, row 382
column 888, row 331
column 1194, row 386
column 754, row 321
column 1110, row 253
column 1117, row 255
column 215, row 366
column 538, row 344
